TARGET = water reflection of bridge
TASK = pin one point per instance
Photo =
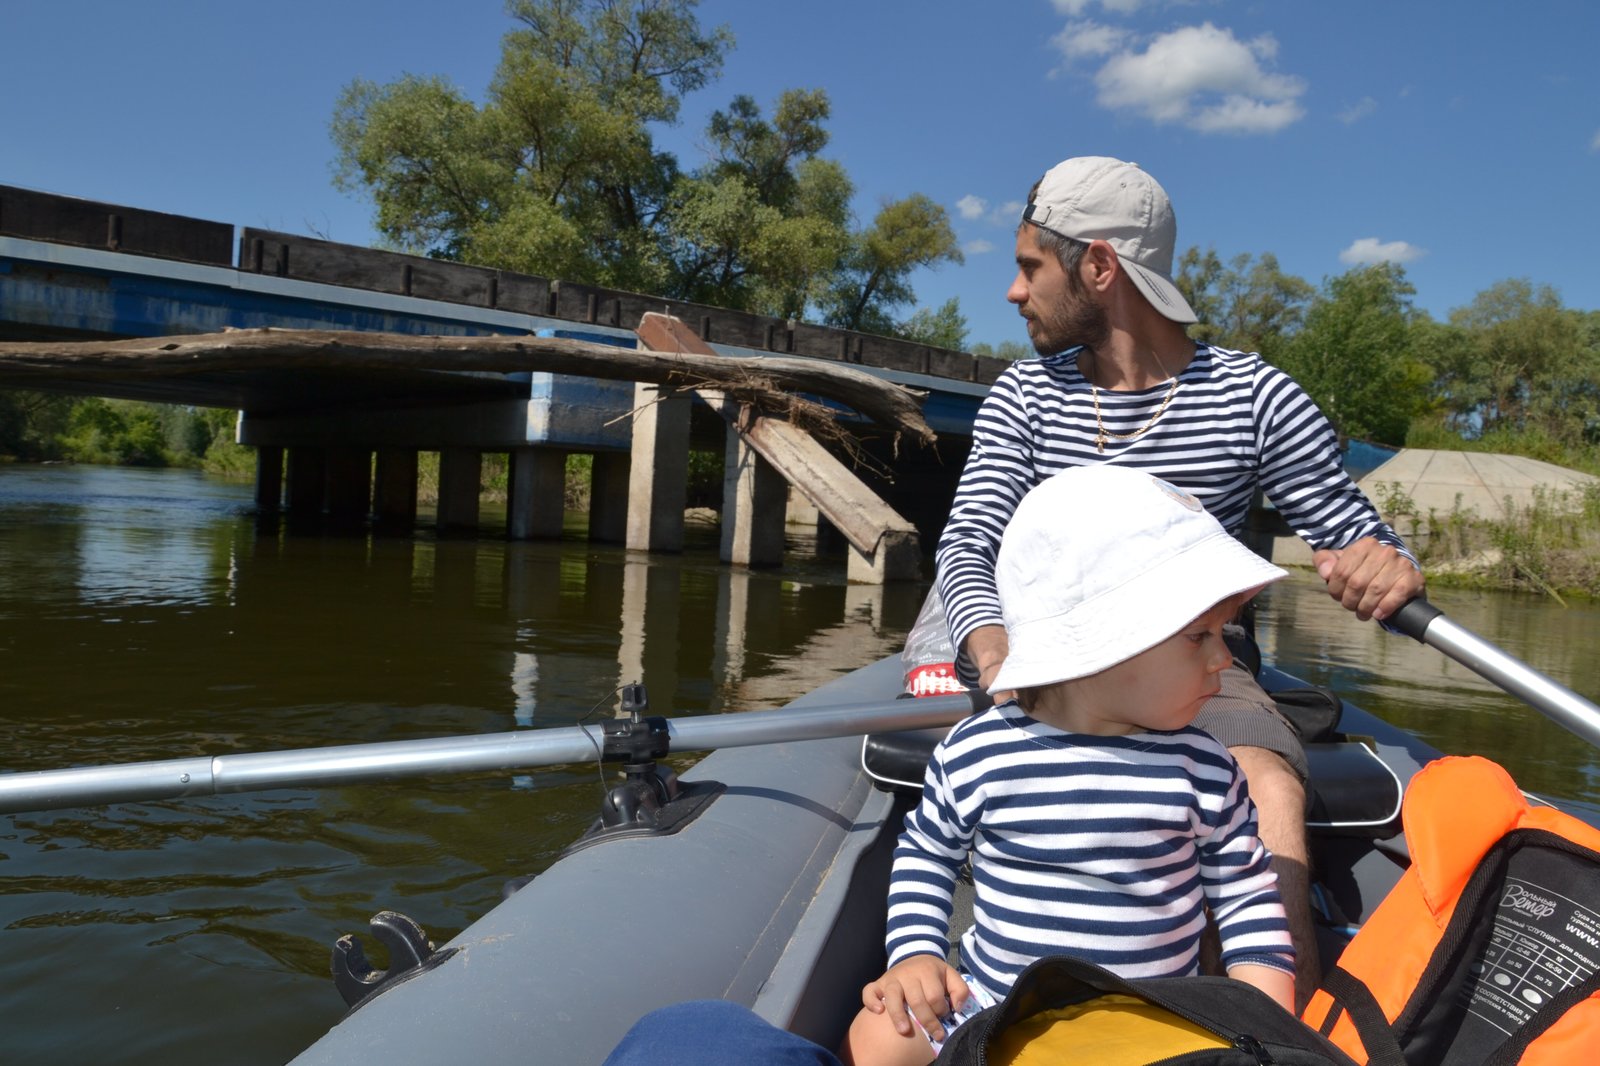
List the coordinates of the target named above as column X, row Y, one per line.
column 124, row 574
column 767, row 637
column 347, row 443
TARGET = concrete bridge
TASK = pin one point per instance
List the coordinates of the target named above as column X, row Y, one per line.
column 343, row 445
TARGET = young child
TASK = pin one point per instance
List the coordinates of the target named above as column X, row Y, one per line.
column 1099, row 822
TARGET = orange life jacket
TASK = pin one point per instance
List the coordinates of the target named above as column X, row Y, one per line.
column 1488, row 949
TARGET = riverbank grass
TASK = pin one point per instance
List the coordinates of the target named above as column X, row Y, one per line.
column 1549, row 545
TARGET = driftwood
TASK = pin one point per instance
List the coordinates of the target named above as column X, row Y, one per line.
column 765, row 383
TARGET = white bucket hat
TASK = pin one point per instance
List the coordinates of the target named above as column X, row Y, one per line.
column 1102, row 562
column 1094, row 197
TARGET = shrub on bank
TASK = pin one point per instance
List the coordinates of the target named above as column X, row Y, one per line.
column 1550, row 545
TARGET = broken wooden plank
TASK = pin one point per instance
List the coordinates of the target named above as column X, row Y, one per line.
column 853, row 508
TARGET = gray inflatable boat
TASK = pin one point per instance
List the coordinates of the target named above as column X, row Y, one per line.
column 770, row 893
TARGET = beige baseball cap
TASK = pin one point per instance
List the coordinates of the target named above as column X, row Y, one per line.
column 1095, row 197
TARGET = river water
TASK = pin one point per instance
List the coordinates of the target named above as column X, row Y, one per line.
column 145, row 615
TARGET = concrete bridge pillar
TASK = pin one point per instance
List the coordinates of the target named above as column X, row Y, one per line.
column 269, row 479
column 658, row 475
column 804, row 514
column 460, row 482
column 753, row 498
column 307, row 476
column 608, row 498
column 394, row 495
column 349, row 485
column 799, row 511
column 898, row 557
column 538, row 492
column 829, row 540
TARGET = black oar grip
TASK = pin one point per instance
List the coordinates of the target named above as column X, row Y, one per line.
column 1413, row 617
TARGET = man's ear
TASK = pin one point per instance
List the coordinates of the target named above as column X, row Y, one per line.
column 1100, row 266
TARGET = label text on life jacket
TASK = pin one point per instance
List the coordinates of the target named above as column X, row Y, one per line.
column 1521, row 900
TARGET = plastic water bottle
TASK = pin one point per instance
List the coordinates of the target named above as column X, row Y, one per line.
column 929, row 657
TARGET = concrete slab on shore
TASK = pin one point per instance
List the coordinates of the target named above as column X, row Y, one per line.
column 1438, row 481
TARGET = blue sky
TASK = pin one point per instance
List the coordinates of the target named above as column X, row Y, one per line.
column 1460, row 138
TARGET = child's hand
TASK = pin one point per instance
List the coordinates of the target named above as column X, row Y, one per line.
column 924, row 986
column 1278, row 984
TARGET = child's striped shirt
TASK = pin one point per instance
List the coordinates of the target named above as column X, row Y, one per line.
column 1107, row 848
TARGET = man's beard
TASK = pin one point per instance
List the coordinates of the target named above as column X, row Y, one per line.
column 1078, row 321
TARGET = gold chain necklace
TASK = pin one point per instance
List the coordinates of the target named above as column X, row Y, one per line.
column 1102, row 434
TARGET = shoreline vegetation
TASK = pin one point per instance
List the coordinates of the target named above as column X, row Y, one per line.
column 1550, row 545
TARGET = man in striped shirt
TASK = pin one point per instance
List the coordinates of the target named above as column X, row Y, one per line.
column 1120, row 382
column 1099, row 823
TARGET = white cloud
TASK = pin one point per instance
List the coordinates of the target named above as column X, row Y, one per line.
column 1074, row 8
column 975, row 208
column 977, row 247
column 970, row 206
column 1008, row 215
column 1206, row 79
column 1086, row 39
column 1357, row 111
column 1369, row 250
column 1239, row 114
column 1594, row 144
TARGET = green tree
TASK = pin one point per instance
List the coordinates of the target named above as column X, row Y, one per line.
column 875, row 278
column 420, row 147
column 943, row 327
column 1009, row 350
column 765, row 223
column 1521, row 362
column 557, row 172
column 116, row 432
column 31, row 424
column 764, row 154
column 1355, row 354
column 1589, row 322
column 1250, row 306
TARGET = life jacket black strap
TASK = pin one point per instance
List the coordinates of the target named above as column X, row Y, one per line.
column 1352, row 994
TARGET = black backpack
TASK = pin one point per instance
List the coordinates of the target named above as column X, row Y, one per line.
column 1203, row 1021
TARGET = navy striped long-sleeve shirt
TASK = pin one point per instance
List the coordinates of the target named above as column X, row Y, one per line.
column 1234, row 423
column 1106, row 848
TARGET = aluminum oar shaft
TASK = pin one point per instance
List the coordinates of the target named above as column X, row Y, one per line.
column 1424, row 622
column 41, row 790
